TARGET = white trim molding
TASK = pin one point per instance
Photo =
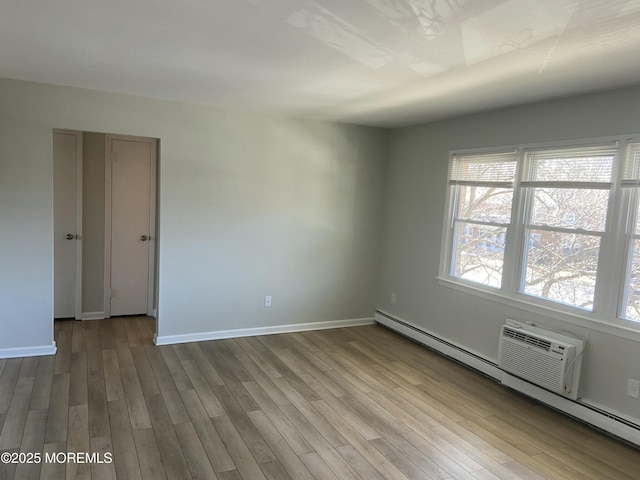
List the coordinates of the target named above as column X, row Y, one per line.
column 93, row 316
column 35, row 351
column 252, row 332
column 605, row 419
column 444, row 346
column 598, row 417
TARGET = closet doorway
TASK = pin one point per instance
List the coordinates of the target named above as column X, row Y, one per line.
column 114, row 240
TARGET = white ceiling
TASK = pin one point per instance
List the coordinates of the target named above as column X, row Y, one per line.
column 374, row 62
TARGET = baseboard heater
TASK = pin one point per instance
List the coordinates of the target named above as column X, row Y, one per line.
column 442, row 346
column 566, row 376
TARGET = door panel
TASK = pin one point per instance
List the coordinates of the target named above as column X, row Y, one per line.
column 130, row 225
column 65, row 164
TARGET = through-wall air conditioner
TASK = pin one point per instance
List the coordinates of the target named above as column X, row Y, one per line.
column 545, row 358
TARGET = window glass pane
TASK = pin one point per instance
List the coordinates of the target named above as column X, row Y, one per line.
column 632, row 308
column 479, row 253
column 570, row 208
column 637, row 223
column 487, row 204
column 572, row 165
column 562, row 267
column 490, row 168
column 632, row 162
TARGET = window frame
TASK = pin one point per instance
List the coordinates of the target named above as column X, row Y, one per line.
column 454, row 220
column 529, row 184
column 614, row 251
column 630, row 196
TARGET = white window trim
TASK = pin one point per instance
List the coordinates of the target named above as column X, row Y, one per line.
column 611, row 277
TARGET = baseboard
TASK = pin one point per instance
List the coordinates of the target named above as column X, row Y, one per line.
column 597, row 416
column 446, row 347
column 37, row 351
column 93, row 316
column 606, row 420
column 251, row 332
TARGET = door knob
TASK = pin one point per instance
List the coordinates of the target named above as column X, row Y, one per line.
column 143, row 238
column 69, row 236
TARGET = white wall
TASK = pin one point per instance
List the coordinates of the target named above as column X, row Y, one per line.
column 250, row 205
column 413, row 230
column 26, row 246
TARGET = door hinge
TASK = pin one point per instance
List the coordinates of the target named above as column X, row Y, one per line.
column 109, row 293
column 113, row 156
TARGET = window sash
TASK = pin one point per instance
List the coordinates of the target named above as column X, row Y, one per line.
column 575, row 272
column 459, row 202
column 481, row 254
column 564, row 279
column 530, row 222
column 594, row 165
column 495, row 169
column 631, row 169
column 631, row 296
column 632, row 235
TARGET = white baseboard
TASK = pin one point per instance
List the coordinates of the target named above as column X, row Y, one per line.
column 251, row 332
column 598, row 416
column 605, row 420
column 446, row 347
column 36, row 351
column 93, row 316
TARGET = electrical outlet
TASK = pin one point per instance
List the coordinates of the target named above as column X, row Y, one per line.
column 393, row 298
column 267, row 301
column 633, row 388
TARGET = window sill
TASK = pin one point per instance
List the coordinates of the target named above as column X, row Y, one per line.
column 584, row 321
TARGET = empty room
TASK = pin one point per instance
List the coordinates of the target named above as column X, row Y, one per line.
column 320, row 239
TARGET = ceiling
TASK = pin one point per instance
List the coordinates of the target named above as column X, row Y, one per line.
column 372, row 62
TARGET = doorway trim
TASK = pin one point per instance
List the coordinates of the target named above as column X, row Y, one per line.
column 152, row 287
column 78, row 233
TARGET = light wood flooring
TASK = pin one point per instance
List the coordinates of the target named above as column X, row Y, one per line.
column 353, row 403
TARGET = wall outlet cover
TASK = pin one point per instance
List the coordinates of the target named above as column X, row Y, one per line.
column 633, row 388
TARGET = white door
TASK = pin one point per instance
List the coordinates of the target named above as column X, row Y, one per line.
column 67, row 215
column 131, row 163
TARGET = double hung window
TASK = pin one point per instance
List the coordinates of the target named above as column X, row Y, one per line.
column 551, row 226
column 483, row 188
column 566, row 202
column 630, row 308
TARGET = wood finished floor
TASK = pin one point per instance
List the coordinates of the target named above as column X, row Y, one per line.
column 353, row 403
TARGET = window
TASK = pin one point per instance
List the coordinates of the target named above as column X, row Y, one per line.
column 549, row 226
column 631, row 182
column 483, row 190
column 567, row 198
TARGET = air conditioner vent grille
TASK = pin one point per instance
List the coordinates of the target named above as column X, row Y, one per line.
column 529, row 339
column 535, row 366
column 541, row 356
